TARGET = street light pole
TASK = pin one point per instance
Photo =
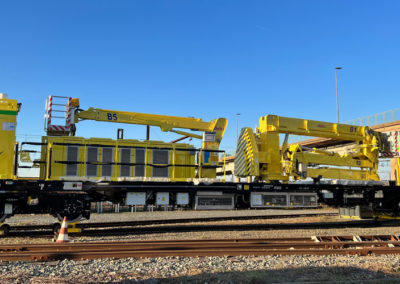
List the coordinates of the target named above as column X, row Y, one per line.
column 237, row 126
column 337, row 93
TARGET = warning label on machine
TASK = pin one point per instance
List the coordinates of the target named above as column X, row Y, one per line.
column 8, row 126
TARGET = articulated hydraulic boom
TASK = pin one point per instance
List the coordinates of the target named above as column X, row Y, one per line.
column 211, row 138
column 166, row 123
column 261, row 155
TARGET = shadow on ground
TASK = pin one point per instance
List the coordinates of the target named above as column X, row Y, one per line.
column 291, row 275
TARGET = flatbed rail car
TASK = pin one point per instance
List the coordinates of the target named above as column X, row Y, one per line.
column 72, row 199
column 76, row 171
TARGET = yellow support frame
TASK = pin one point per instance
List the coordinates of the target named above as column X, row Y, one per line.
column 259, row 154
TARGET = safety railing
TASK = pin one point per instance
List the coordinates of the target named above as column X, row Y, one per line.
column 378, row 118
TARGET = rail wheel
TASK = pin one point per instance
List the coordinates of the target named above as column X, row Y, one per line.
column 4, row 229
column 74, row 208
column 71, row 217
column 3, row 217
column 56, row 229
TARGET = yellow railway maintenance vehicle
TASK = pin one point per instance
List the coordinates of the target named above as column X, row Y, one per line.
column 76, row 171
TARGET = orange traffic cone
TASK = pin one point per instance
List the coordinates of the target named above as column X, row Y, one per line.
column 63, row 235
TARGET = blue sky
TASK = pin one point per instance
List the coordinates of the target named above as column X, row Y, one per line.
column 204, row 59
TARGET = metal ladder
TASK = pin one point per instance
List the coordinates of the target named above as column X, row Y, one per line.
column 58, row 109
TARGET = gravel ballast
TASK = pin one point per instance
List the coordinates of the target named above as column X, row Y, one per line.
column 266, row 269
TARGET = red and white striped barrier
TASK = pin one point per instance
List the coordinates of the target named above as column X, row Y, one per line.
column 49, row 109
column 69, row 117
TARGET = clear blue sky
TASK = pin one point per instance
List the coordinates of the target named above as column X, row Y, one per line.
column 204, row 59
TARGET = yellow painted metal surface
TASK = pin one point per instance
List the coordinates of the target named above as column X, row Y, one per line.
column 398, row 172
column 259, row 154
column 165, row 122
column 213, row 131
column 246, row 158
column 65, row 163
column 350, row 217
column 296, row 161
column 8, row 123
column 386, row 217
column 306, row 127
column 72, row 228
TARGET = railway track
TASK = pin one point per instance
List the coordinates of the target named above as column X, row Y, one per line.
column 158, row 226
column 323, row 245
column 232, row 227
column 174, row 221
column 35, row 229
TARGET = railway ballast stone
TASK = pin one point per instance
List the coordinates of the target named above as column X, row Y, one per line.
column 207, row 269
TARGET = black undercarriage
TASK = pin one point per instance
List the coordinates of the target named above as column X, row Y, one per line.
column 52, row 197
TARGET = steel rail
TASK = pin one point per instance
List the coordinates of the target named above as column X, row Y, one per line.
column 41, row 256
column 364, row 245
column 325, row 239
column 195, row 246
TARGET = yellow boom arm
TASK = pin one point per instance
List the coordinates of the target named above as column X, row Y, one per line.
column 164, row 122
column 306, row 127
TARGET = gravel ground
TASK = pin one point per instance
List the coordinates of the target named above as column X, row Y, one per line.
column 266, row 269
